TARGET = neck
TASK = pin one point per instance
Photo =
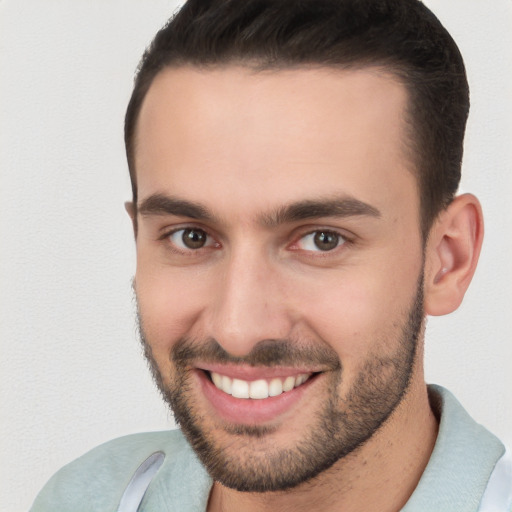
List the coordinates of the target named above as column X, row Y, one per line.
column 381, row 474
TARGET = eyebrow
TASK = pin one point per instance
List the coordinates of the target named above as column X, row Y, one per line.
column 312, row 209
column 160, row 204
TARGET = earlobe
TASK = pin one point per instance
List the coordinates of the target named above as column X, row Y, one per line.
column 452, row 253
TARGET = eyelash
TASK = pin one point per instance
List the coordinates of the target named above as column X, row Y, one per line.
column 343, row 240
column 188, row 251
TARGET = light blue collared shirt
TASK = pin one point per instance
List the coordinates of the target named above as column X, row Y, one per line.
column 159, row 472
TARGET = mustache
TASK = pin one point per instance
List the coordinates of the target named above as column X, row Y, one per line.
column 271, row 352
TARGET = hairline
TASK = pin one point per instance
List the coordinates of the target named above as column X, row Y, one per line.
column 390, row 68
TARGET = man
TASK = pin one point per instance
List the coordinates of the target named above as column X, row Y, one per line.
column 294, row 168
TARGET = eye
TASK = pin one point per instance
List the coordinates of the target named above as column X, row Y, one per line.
column 321, row 240
column 190, row 239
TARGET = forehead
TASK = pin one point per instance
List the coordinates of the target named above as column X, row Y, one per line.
column 232, row 134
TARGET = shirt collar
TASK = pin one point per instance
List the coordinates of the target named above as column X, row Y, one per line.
column 461, row 463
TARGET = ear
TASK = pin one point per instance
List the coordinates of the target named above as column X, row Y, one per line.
column 129, row 206
column 452, row 252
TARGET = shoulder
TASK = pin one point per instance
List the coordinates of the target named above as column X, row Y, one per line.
column 462, row 462
column 498, row 493
column 97, row 480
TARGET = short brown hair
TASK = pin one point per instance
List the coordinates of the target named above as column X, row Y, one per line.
column 401, row 36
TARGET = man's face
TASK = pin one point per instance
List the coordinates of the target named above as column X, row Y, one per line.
column 279, row 263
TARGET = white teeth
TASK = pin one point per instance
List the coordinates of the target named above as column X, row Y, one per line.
column 226, row 385
column 275, row 387
column 289, row 383
column 240, row 388
column 257, row 389
column 301, row 379
column 217, row 380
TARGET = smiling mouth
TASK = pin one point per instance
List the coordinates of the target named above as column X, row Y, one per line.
column 257, row 389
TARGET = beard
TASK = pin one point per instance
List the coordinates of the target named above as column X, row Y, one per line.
column 245, row 457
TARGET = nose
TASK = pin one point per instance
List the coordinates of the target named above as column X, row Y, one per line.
column 250, row 303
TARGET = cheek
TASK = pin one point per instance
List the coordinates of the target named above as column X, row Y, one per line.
column 360, row 313
column 169, row 301
column 346, row 319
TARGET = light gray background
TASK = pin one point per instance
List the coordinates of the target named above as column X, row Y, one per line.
column 71, row 370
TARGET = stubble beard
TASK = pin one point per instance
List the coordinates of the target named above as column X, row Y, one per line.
column 339, row 428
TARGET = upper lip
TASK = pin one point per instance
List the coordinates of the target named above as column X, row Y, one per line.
column 252, row 373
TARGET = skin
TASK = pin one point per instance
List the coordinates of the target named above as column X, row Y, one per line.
column 245, row 145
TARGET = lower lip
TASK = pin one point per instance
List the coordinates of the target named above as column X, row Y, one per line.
column 249, row 411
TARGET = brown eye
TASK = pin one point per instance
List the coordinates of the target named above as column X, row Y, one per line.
column 325, row 240
column 190, row 239
column 194, row 238
column 321, row 241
